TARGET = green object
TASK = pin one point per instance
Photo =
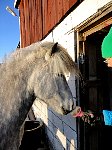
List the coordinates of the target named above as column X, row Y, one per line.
column 107, row 45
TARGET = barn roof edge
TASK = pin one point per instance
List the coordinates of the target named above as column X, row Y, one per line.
column 16, row 3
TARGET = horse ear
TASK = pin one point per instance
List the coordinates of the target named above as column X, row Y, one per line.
column 51, row 52
column 54, row 48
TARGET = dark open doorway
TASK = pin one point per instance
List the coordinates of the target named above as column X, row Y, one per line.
column 96, row 95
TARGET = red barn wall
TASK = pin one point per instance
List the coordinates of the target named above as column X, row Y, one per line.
column 38, row 17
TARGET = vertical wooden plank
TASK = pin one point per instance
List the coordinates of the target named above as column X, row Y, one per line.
column 65, row 6
column 22, row 20
column 51, row 14
column 44, row 16
column 72, row 2
column 59, row 10
column 30, row 15
column 32, row 21
column 24, row 33
column 35, row 24
column 38, row 18
column 27, row 29
column 47, row 15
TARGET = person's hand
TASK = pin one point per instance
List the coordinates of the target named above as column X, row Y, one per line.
column 93, row 118
column 88, row 117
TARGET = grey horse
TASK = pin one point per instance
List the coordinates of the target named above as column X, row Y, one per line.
column 36, row 71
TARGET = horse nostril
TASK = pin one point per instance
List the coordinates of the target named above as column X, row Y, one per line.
column 73, row 107
column 65, row 112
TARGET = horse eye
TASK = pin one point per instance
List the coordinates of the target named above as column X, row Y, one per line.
column 61, row 75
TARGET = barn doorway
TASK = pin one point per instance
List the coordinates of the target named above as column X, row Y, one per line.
column 96, row 95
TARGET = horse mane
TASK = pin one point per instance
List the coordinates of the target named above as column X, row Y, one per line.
column 60, row 62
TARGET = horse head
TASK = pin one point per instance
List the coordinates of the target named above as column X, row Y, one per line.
column 48, row 80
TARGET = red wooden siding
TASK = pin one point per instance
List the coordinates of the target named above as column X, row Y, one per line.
column 38, row 17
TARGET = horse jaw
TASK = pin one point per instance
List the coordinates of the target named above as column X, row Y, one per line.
column 56, row 104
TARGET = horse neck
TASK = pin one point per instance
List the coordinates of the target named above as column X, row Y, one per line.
column 14, row 112
column 15, row 99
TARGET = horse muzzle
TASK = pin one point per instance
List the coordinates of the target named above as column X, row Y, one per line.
column 67, row 111
column 74, row 111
